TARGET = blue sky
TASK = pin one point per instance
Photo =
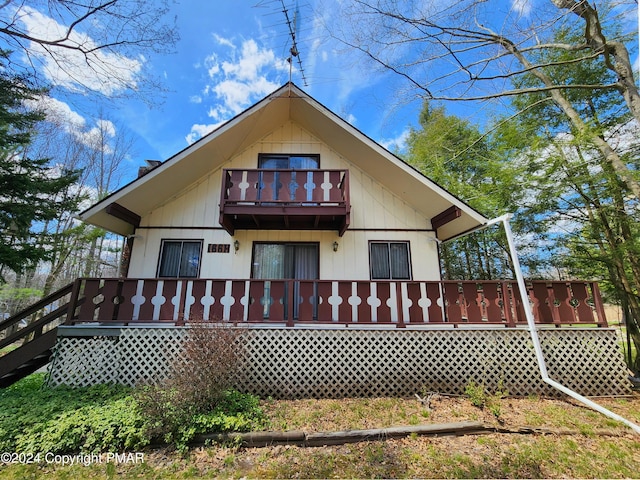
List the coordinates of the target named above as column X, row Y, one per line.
column 231, row 54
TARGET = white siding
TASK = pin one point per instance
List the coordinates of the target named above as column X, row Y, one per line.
column 376, row 214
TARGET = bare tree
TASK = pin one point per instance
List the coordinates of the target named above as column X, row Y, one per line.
column 92, row 45
column 468, row 51
column 564, row 71
column 99, row 152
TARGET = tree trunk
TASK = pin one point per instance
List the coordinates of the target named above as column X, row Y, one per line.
column 616, row 55
column 609, row 154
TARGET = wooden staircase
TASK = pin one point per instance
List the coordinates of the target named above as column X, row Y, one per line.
column 33, row 332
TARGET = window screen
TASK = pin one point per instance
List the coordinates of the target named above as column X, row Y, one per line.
column 288, row 162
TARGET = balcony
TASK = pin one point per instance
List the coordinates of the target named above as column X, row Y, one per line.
column 285, row 200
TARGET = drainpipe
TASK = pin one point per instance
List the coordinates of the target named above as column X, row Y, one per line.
column 504, row 219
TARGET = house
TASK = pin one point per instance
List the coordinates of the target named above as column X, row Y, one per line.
column 289, row 222
column 285, row 175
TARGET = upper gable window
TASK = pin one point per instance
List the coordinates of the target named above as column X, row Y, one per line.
column 284, row 161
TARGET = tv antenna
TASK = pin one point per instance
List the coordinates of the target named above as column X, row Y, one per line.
column 294, row 28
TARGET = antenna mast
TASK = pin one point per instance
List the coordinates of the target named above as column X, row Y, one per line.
column 294, row 26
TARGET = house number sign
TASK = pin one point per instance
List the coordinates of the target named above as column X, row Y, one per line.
column 218, row 248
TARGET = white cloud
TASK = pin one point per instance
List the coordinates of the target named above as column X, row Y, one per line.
column 239, row 75
column 61, row 114
column 223, row 41
column 211, row 62
column 252, row 62
column 522, row 7
column 397, row 144
column 98, row 136
column 237, row 95
column 69, row 68
column 198, row 131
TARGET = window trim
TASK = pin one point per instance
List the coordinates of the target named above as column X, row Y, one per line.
column 407, row 243
column 182, row 241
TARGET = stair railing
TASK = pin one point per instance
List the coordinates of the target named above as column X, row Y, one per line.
column 38, row 318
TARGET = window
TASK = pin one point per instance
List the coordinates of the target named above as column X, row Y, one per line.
column 180, row 258
column 282, row 185
column 285, row 161
column 389, row 261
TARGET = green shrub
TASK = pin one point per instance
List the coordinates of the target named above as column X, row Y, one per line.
column 477, row 394
column 178, row 424
column 480, row 397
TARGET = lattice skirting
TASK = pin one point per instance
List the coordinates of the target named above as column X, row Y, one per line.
column 299, row 363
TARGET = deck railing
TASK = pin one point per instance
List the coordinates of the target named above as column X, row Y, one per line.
column 285, row 187
column 316, row 302
column 269, row 199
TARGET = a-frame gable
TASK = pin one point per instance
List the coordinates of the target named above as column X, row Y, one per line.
column 121, row 211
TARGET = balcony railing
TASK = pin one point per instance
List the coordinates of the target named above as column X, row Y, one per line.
column 285, row 199
column 320, row 302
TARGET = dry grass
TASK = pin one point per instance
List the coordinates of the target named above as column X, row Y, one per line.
column 586, row 454
column 344, row 414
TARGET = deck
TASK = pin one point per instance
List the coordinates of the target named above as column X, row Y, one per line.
column 324, row 337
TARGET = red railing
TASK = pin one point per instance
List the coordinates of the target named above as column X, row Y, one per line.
column 290, row 302
column 268, row 199
column 285, row 187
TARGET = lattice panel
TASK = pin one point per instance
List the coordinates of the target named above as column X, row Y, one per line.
column 147, row 355
column 298, row 363
column 84, row 361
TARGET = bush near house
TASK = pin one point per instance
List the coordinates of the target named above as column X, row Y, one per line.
column 195, row 398
column 101, row 418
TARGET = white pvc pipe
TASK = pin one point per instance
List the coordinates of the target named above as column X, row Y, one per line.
column 534, row 332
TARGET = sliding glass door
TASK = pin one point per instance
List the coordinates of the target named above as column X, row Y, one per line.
column 282, row 185
column 285, row 261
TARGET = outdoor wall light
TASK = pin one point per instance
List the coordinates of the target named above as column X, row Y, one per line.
column 335, row 246
column 236, row 245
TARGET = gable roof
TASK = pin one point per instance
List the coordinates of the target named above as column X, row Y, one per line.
column 118, row 212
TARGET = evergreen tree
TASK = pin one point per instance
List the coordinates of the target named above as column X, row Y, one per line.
column 28, row 186
column 454, row 154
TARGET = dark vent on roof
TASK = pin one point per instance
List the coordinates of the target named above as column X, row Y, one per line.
column 151, row 164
